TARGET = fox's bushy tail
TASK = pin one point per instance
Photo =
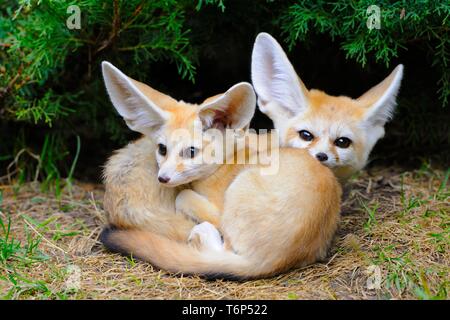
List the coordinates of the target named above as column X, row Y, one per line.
column 180, row 257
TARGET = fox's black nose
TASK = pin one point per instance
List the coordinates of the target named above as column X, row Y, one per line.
column 322, row 156
column 163, row 179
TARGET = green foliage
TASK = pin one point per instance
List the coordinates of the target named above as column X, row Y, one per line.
column 12, row 250
column 16, row 257
column 402, row 23
column 371, row 212
column 402, row 274
column 219, row 3
column 37, row 44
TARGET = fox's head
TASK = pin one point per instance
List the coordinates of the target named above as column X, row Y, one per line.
column 339, row 131
column 180, row 130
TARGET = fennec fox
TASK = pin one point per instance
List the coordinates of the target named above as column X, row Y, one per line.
column 134, row 198
column 339, row 131
column 270, row 223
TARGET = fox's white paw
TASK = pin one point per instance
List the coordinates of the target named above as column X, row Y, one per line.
column 207, row 236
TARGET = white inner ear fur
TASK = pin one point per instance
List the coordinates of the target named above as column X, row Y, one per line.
column 138, row 111
column 234, row 109
column 380, row 100
column 280, row 91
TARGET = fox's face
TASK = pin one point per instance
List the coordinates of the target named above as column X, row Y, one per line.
column 333, row 131
column 183, row 142
column 179, row 149
column 182, row 132
column 338, row 131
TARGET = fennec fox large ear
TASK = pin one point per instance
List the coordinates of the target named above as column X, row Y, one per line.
column 136, row 102
column 234, row 109
column 381, row 99
column 281, row 93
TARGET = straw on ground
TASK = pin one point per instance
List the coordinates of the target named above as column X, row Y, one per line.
column 393, row 242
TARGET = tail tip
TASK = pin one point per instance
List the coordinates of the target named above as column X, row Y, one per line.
column 106, row 238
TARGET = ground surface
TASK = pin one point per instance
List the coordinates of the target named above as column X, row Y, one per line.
column 393, row 242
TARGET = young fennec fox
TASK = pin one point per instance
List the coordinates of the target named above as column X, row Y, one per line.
column 339, row 131
column 270, row 223
column 134, row 198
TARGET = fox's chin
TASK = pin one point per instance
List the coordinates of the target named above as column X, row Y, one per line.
column 344, row 172
column 331, row 165
column 174, row 183
column 171, row 185
column 177, row 183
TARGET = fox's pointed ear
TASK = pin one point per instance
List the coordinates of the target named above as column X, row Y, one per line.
column 381, row 99
column 139, row 110
column 234, row 109
column 280, row 91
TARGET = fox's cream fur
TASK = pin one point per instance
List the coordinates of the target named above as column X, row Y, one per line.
column 270, row 223
column 134, row 198
column 339, row 131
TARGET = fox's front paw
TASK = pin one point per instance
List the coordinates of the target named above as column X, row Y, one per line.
column 205, row 235
column 183, row 204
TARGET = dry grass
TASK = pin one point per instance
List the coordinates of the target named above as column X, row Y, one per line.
column 398, row 222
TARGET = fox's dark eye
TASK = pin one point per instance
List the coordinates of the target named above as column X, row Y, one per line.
column 190, row 152
column 342, row 142
column 306, row 135
column 162, row 149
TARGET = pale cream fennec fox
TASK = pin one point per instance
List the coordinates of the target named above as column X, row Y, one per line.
column 339, row 131
column 134, row 198
column 270, row 223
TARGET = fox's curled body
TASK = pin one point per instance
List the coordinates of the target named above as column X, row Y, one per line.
column 270, row 223
column 273, row 222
